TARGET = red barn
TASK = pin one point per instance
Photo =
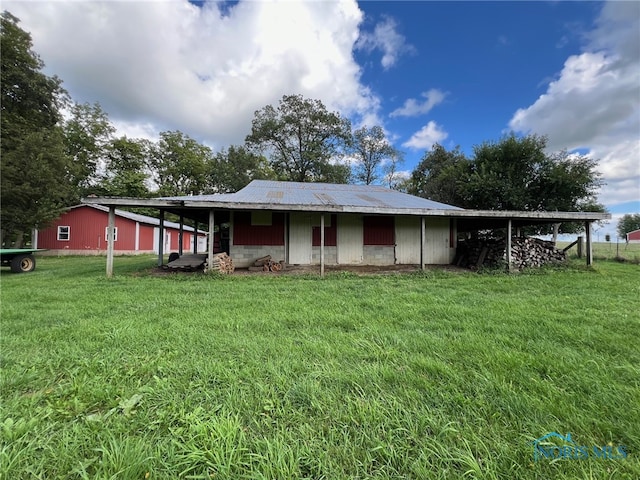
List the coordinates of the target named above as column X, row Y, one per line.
column 82, row 230
column 633, row 237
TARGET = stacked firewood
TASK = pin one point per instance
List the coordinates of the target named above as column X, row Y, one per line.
column 526, row 252
column 266, row 264
column 221, row 263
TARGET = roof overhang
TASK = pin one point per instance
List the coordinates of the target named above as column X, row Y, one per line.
column 467, row 219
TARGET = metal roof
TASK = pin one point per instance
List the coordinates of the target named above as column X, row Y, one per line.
column 140, row 218
column 296, row 194
column 339, row 198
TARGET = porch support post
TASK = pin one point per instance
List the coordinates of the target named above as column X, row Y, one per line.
column 285, row 240
column 322, row 244
column 212, row 238
column 422, row 241
column 161, row 239
column 589, row 255
column 111, row 228
column 195, row 238
column 508, row 252
column 180, row 234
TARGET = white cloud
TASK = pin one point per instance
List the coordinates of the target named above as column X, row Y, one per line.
column 386, row 39
column 171, row 65
column 594, row 103
column 413, row 107
column 426, row 137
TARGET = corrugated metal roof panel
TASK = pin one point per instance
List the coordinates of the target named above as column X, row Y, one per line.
column 140, row 218
column 298, row 193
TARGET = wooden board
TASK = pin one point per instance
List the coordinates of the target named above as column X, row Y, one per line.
column 188, row 262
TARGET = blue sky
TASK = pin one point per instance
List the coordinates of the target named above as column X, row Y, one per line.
column 458, row 73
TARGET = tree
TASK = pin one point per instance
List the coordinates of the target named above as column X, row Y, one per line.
column 440, row 176
column 179, row 164
column 371, row 150
column 88, row 133
column 234, row 168
column 304, row 141
column 34, row 165
column 516, row 174
column 34, row 189
column 628, row 223
column 126, row 170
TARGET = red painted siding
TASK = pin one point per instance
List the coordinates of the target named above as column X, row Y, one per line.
column 186, row 240
column 87, row 228
column 246, row 234
column 87, row 231
column 330, row 234
column 146, row 238
column 378, row 230
column 635, row 235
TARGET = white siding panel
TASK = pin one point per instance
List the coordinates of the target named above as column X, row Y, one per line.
column 299, row 238
column 437, row 241
column 349, row 239
column 408, row 240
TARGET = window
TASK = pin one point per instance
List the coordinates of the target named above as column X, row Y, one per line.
column 115, row 234
column 64, row 233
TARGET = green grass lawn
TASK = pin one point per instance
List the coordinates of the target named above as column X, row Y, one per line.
column 434, row 375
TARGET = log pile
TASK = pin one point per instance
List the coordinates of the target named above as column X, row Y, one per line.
column 526, row 252
column 221, row 263
column 266, row 264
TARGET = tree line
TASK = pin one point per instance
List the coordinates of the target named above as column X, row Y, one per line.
column 55, row 151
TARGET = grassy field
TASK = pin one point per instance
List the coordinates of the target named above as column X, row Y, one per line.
column 414, row 376
column 610, row 251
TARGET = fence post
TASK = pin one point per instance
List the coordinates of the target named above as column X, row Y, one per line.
column 579, row 246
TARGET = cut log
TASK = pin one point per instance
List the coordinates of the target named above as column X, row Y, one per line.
column 262, row 260
column 221, row 263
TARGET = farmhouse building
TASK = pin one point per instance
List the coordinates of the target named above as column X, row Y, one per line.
column 313, row 223
column 633, row 237
column 82, row 230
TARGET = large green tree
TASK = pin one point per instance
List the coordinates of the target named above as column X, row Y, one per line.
column 233, row 168
column 440, row 176
column 514, row 173
column 179, row 164
column 628, row 223
column 371, row 151
column 302, row 139
column 88, row 134
column 34, row 185
column 126, row 168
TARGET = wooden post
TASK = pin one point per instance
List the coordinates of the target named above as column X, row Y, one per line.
column 579, row 246
column 587, row 226
column 195, row 239
column 422, row 241
column 111, row 228
column 212, row 237
column 508, row 245
column 285, row 240
column 161, row 239
column 180, row 234
column 322, row 244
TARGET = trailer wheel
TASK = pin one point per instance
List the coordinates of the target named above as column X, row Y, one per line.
column 23, row 263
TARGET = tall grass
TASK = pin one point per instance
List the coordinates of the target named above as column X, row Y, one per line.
column 428, row 375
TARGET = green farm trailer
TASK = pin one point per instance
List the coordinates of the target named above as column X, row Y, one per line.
column 19, row 259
